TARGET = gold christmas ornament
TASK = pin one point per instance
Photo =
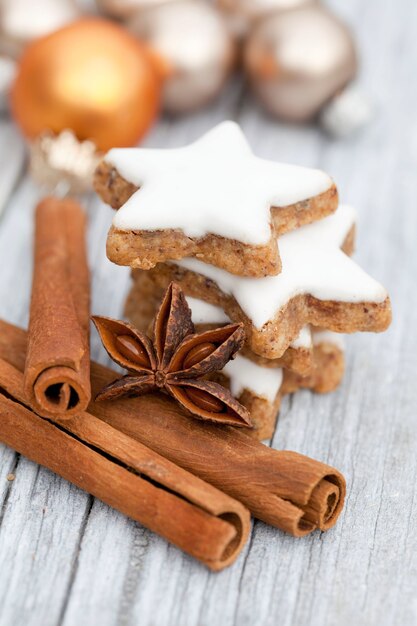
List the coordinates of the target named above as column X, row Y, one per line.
column 298, row 59
column 124, row 9
column 91, row 77
column 242, row 14
column 21, row 21
column 194, row 49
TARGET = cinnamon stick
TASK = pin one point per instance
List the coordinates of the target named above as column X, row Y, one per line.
column 283, row 488
column 196, row 517
column 57, row 371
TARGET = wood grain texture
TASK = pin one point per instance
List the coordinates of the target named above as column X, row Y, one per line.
column 67, row 559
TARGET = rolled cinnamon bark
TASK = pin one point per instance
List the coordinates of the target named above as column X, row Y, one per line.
column 57, row 370
column 283, row 488
column 193, row 515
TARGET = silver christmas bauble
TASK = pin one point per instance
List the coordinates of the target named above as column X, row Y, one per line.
column 193, row 48
column 24, row 20
column 298, row 59
column 124, row 9
column 242, row 14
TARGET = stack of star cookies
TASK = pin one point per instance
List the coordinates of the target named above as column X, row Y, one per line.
column 251, row 241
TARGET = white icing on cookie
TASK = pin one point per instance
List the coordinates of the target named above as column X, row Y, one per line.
column 215, row 185
column 328, row 336
column 261, row 381
column 303, row 340
column 312, row 263
column 205, row 313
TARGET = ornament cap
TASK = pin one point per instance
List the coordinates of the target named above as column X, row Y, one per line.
column 62, row 163
column 347, row 112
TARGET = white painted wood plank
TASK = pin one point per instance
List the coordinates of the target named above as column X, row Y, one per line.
column 38, row 545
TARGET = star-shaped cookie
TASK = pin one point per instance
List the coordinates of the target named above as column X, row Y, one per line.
column 261, row 389
column 213, row 199
column 319, row 285
column 145, row 296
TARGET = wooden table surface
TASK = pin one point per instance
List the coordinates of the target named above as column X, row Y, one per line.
column 66, row 558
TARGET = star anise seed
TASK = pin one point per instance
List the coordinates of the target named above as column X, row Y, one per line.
column 198, row 353
column 131, row 349
column 205, row 400
column 176, row 359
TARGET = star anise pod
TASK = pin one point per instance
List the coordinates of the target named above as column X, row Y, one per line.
column 175, row 360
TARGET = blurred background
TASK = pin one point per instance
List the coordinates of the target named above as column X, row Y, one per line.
column 107, row 71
